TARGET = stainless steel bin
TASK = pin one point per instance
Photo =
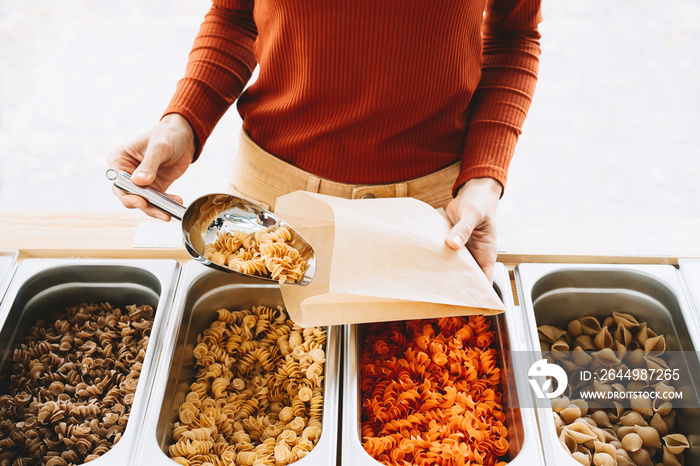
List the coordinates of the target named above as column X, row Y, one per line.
column 554, row 294
column 690, row 271
column 7, row 269
column 201, row 293
column 524, row 441
column 43, row 286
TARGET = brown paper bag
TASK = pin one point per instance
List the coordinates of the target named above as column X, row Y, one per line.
column 380, row 260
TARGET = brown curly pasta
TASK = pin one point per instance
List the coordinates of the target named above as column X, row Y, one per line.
column 267, row 253
column 258, row 394
column 70, row 391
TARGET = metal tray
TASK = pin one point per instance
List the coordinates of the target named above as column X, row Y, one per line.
column 201, row 293
column 690, row 271
column 524, row 449
column 42, row 286
column 554, row 294
column 7, row 269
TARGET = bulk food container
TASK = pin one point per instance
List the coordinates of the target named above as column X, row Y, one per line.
column 690, row 271
column 524, row 442
column 44, row 286
column 201, row 293
column 555, row 294
column 7, row 268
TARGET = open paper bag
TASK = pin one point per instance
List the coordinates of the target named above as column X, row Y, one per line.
column 380, row 260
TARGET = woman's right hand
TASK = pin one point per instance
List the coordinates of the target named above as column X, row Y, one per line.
column 156, row 158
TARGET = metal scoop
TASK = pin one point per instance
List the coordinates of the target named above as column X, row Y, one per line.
column 214, row 213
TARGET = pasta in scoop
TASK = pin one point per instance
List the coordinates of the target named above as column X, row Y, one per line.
column 267, row 253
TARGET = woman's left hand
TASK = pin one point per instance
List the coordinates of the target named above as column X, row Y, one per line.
column 473, row 214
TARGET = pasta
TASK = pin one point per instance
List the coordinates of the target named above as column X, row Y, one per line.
column 429, row 391
column 253, row 401
column 267, row 253
column 70, row 391
column 636, row 434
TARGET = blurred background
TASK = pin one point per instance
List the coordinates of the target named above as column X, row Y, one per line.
column 611, row 132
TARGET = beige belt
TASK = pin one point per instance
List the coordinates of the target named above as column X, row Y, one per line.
column 261, row 177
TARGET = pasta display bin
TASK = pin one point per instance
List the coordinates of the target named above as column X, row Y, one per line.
column 626, row 331
column 7, row 268
column 79, row 342
column 523, row 446
column 690, row 271
column 201, row 295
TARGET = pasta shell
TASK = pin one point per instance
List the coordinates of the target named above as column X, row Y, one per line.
column 661, row 407
column 632, row 418
column 567, row 441
column 649, row 435
column 606, row 357
column 580, row 431
column 603, row 339
column 641, row 457
column 658, row 424
column 582, row 405
column 655, row 345
column 602, row 447
column 558, row 404
column 559, row 424
column 663, row 388
column 641, row 405
column 623, row 335
column 581, row 458
column 609, row 321
column 580, row 357
column 559, row 347
column 620, row 349
column 601, row 418
column 586, row 452
column 655, row 363
column 603, row 459
column 590, row 326
column 570, row 413
column 616, row 411
column 623, row 458
column 549, row 333
column 585, row 342
column 624, row 431
column 670, row 459
column 676, row 443
column 632, row 442
column 644, row 334
column 574, row 328
column 625, row 320
column 544, row 346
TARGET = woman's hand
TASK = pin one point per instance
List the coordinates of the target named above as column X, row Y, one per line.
column 156, row 158
column 473, row 214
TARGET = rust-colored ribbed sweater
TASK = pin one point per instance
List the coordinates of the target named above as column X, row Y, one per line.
column 369, row 91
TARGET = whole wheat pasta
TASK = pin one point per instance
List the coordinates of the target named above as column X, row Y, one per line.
column 70, row 391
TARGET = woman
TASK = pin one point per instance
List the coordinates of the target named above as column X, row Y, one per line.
column 357, row 99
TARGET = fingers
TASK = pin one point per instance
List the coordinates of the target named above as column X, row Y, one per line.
column 462, row 231
column 147, row 170
column 132, row 201
column 485, row 257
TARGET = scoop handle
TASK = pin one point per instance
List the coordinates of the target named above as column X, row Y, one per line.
column 122, row 180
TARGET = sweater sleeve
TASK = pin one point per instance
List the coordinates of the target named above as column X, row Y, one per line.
column 500, row 103
column 220, row 64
